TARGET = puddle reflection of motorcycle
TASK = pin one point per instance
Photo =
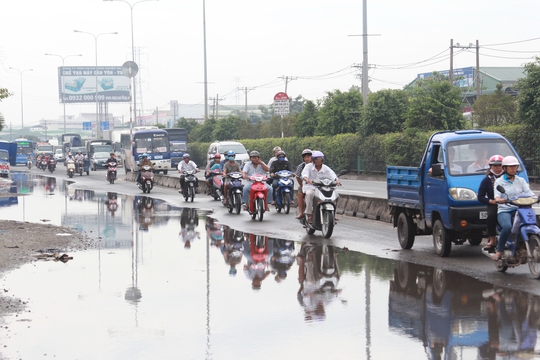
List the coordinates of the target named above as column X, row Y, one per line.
column 50, row 185
column 282, row 259
column 189, row 221
column 514, row 319
column 232, row 248
column 145, row 205
column 214, row 232
column 258, row 251
column 318, row 275
column 111, row 202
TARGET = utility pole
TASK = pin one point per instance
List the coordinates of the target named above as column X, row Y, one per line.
column 470, row 46
column 287, row 79
column 246, row 90
column 216, row 101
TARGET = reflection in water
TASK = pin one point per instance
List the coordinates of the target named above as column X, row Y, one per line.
column 318, row 274
column 188, row 227
column 232, row 247
column 257, row 251
column 449, row 312
column 283, row 258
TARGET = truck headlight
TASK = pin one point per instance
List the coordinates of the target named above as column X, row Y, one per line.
column 462, row 194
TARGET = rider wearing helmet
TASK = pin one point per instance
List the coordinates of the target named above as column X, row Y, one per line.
column 229, row 166
column 306, row 157
column 513, row 185
column 486, row 195
column 185, row 165
column 281, row 164
column 213, row 164
column 315, row 171
column 143, row 160
column 254, row 167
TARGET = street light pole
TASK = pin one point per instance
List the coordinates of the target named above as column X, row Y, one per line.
column 22, row 108
column 96, row 73
column 131, row 6
column 62, row 85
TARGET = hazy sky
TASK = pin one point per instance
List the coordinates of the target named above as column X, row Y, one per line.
column 250, row 43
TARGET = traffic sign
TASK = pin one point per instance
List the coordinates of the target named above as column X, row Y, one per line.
column 87, row 125
column 104, row 125
column 281, row 104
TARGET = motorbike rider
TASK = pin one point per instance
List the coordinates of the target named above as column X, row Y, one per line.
column 315, row 171
column 306, row 156
column 186, row 165
column 281, row 164
column 486, row 196
column 229, row 167
column 111, row 159
column 142, row 162
column 78, row 157
column 208, row 171
column 70, row 159
column 255, row 167
column 513, row 185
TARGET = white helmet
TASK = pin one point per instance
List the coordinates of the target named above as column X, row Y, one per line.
column 510, row 161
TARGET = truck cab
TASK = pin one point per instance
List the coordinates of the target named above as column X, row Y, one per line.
column 4, row 163
column 440, row 196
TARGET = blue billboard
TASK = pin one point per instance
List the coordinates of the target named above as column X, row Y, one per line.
column 463, row 77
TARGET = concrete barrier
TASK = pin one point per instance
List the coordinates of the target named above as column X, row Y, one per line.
column 350, row 205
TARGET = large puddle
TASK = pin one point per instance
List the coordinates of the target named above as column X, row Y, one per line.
column 172, row 283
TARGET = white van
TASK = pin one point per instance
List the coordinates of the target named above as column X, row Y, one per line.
column 222, row 147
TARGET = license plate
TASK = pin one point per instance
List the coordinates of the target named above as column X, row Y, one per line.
column 483, row 215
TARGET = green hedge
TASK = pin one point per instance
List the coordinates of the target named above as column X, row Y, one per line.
column 373, row 153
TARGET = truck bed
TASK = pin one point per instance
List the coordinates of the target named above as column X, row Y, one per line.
column 403, row 186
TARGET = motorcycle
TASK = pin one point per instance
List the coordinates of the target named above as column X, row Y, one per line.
column 43, row 164
column 147, row 179
column 189, row 184
column 79, row 167
column 234, row 192
column 111, row 171
column 217, row 185
column 324, row 208
column 257, row 197
column 283, row 257
column 52, row 165
column 523, row 243
column 29, row 163
column 233, row 249
column 319, row 262
column 70, row 168
column 284, row 192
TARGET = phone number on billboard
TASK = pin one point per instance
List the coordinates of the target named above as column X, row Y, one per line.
column 84, row 97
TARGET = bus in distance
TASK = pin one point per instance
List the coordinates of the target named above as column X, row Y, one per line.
column 24, row 148
column 154, row 142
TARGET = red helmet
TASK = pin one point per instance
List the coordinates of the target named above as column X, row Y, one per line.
column 217, row 156
column 496, row 160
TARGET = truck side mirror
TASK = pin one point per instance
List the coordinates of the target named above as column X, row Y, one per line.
column 436, row 170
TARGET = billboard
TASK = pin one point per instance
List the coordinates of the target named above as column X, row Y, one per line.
column 463, row 77
column 77, row 84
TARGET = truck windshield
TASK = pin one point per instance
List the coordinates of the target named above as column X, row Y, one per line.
column 178, row 147
column 471, row 157
column 4, row 156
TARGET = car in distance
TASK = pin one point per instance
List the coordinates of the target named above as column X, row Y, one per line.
column 59, row 155
column 222, row 147
column 98, row 160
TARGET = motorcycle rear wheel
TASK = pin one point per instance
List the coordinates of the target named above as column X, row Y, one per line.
column 534, row 262
column 327, row 226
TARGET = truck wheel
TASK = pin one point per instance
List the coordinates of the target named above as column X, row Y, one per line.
column 442, row 241
column 165, row 172
column 406, row 230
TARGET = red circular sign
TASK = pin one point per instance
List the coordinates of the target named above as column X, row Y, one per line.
column 281, row 96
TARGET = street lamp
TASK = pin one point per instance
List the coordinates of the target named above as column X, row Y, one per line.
column 22, row 109
column 96, row 72
column 62, row 78
column 131, row 6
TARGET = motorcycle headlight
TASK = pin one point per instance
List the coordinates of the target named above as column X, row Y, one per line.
column 462, row 194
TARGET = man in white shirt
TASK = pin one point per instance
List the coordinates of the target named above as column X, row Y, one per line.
column 186, row 165
column 316, row 170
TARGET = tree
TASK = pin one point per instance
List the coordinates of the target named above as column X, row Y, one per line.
column 307, row 120
column 227, row 128
column 494, row 109
column 4, row 93
column 385, row 112
column 435, row 105
column 204, row 133
column 339, row 113
column 529, row 93
column 188, row 124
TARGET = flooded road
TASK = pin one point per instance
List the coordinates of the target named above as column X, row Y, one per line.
column 170, row 282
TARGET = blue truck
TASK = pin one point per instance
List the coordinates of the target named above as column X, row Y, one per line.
column 8, row 157
column 439, row 197
column 178, row 139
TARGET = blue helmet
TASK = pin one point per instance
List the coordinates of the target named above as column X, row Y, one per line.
column 231, row 153
column 144, row 155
